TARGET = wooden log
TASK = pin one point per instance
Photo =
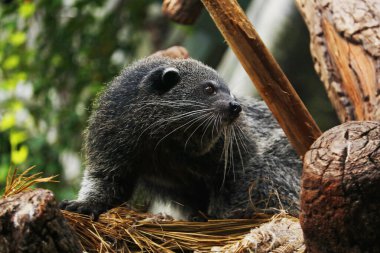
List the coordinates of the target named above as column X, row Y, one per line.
column 182, row 11
column 345, row 44
column 340, row 190
column 31, row 222
column 265, row 73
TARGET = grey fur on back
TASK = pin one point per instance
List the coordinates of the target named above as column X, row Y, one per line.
column 159, row 127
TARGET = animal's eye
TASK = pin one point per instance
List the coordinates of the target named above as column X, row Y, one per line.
column 210, row 89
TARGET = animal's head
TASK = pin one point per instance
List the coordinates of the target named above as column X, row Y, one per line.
column 183, row 102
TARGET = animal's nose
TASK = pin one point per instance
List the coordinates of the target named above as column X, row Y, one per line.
column 235, row 108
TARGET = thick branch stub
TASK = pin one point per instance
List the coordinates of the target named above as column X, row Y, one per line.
column 182, row 11
column 31, row 222
column 175, row 52
column 340, row 190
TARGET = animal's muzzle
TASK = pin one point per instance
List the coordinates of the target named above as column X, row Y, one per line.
column 235, row 109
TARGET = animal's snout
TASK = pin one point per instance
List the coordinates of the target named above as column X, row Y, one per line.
column 235, row 108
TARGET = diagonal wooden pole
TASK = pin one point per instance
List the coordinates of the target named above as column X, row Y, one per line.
column 265, row 73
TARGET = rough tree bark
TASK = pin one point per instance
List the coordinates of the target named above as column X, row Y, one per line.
column 32, row 222
column 340, row 190
column 345, row 44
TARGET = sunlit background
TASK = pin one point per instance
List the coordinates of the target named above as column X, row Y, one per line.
column 56, row 55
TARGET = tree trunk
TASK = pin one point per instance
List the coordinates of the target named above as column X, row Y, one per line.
column 345, row 44
column 31, row 222
column 340, row 190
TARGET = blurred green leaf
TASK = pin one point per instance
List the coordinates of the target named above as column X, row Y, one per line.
column 18, row 156
column 19, row 153
column 17, row 137
column 27, row 9
column 16, row 105
column 11, row 62
column 17, row 39
column 7, row 121
column 56, row 60
column 20, row 76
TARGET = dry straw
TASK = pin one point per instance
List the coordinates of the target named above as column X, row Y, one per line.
column 125, row 230
column 17, row 183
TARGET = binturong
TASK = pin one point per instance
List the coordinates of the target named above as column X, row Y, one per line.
column 171, row 132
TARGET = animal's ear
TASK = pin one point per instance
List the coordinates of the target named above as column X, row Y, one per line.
column 170, row 77
column 163, row 79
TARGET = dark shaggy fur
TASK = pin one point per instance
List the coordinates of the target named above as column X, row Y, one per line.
column 172, row 129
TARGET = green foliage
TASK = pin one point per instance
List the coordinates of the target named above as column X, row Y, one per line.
column 54, row 57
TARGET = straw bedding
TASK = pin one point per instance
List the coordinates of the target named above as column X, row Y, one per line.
column 124, row 230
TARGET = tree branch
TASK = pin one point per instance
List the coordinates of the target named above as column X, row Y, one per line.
column 265, row 73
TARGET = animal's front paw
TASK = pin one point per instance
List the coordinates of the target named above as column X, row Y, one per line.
column 90, row 208
column 198, row 217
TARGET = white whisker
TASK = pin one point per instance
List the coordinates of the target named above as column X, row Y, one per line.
column 238, row 147
column 205, row 116
column 189, row 122
column 164, row 122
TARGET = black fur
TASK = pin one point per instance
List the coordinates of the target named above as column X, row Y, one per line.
column 172, row 129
